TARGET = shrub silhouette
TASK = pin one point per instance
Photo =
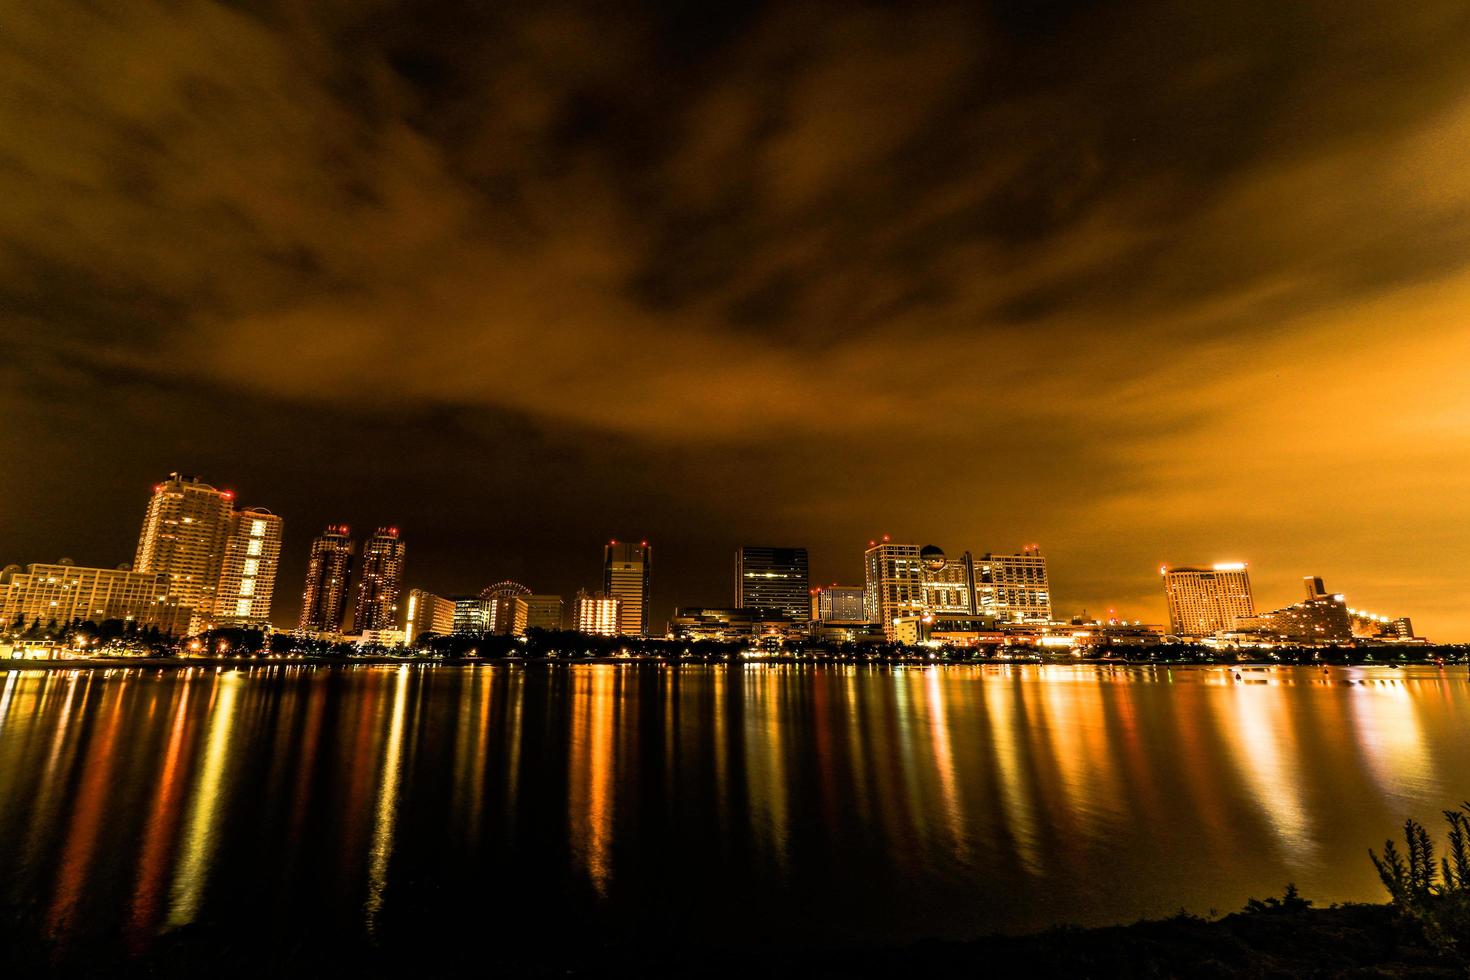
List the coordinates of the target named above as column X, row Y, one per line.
column 1436, row 895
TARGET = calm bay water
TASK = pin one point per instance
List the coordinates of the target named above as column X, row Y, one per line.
column 638, row 805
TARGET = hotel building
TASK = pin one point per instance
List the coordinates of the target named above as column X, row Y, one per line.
column 64, row 591
column 1206, row 601
column 893, row 585
column 1013, row 588
column 838, row 604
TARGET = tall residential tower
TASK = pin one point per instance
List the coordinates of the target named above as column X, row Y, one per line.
column 379, row 582
column 324, row 600
column 1206, row 601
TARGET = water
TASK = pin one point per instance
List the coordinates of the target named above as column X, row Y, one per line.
column 629, row 806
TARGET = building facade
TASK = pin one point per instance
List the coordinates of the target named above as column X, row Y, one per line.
column 773, row 578
column 545, row 612
column 1205, row 601
column 893, row 585
column 379, row 581
column 725, row 625
column 64, row 591
column 948, row 584
column 472, row 616
column 1013, row 588
column 597, row 614
column 427, row 613
column 247, row 580
column 185, row 529
column 839, row 604
column 626, row 569
column 328, row 574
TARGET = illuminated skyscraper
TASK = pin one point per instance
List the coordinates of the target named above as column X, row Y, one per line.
column 773, row 578
column 625, row 576
column 184, row 533
column 328, row 570
column 379, row 582
column 247, row 580
column 596, row 614
column 1013, row 588
column 1205, row 601
column 893, row 585
column 427, row 613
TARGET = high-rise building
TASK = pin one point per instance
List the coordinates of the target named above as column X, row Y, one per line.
column 839, row 604
column 948, row 583
column 184, row 533
column 544, row 612
column 247, row 579
column 65, row 591
column 508, row 607
column 893, row 584
column 1013, row 588
column 1206, row 601
column 598, row 614
column 625, row 577
column 427, row 613
column 773, row 578
column 328, row 570
column 379, row 582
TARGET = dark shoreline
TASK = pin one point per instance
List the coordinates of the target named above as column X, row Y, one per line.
column 1341, row 941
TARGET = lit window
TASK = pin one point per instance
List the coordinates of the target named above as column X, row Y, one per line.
column 254, row 547
column 251, row 567
column 257, row 529
column 242, row 607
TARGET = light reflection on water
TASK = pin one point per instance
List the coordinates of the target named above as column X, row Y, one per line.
column 820, row 804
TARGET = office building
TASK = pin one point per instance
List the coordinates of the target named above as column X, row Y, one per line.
column 838, row 604
column 948, row 584
column 64, row 591
column 773, row 578
column 598, row 614
column 328, row 572
column 544, row 612
column 473, row 616
column 1206, row 601
column 625, row 577
column 893, row 585
column 1013, row 588
column 427, row 613
column 379, row 582
column 185, row 529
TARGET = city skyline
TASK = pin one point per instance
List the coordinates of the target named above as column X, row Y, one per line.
column 827, row 278
column 1012, row 588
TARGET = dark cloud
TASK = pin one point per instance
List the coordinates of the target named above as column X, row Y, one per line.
column 1142, row 282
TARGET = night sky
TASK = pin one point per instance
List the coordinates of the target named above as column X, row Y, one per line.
column 1181, row 282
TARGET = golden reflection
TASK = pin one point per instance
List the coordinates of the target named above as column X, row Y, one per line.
column 11, row 681
column 158, row 836
column 388, row 781
column 1262, row 744
column 86, row 823
column 1386, row 722
column 940, row 740
column 205, row 808
column 1017, row 800
column 765, row 755
column 591, row 769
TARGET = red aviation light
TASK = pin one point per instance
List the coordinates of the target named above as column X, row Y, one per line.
column 229, row 495
column 885, row 537
column 643, row 544
column 613, row 541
